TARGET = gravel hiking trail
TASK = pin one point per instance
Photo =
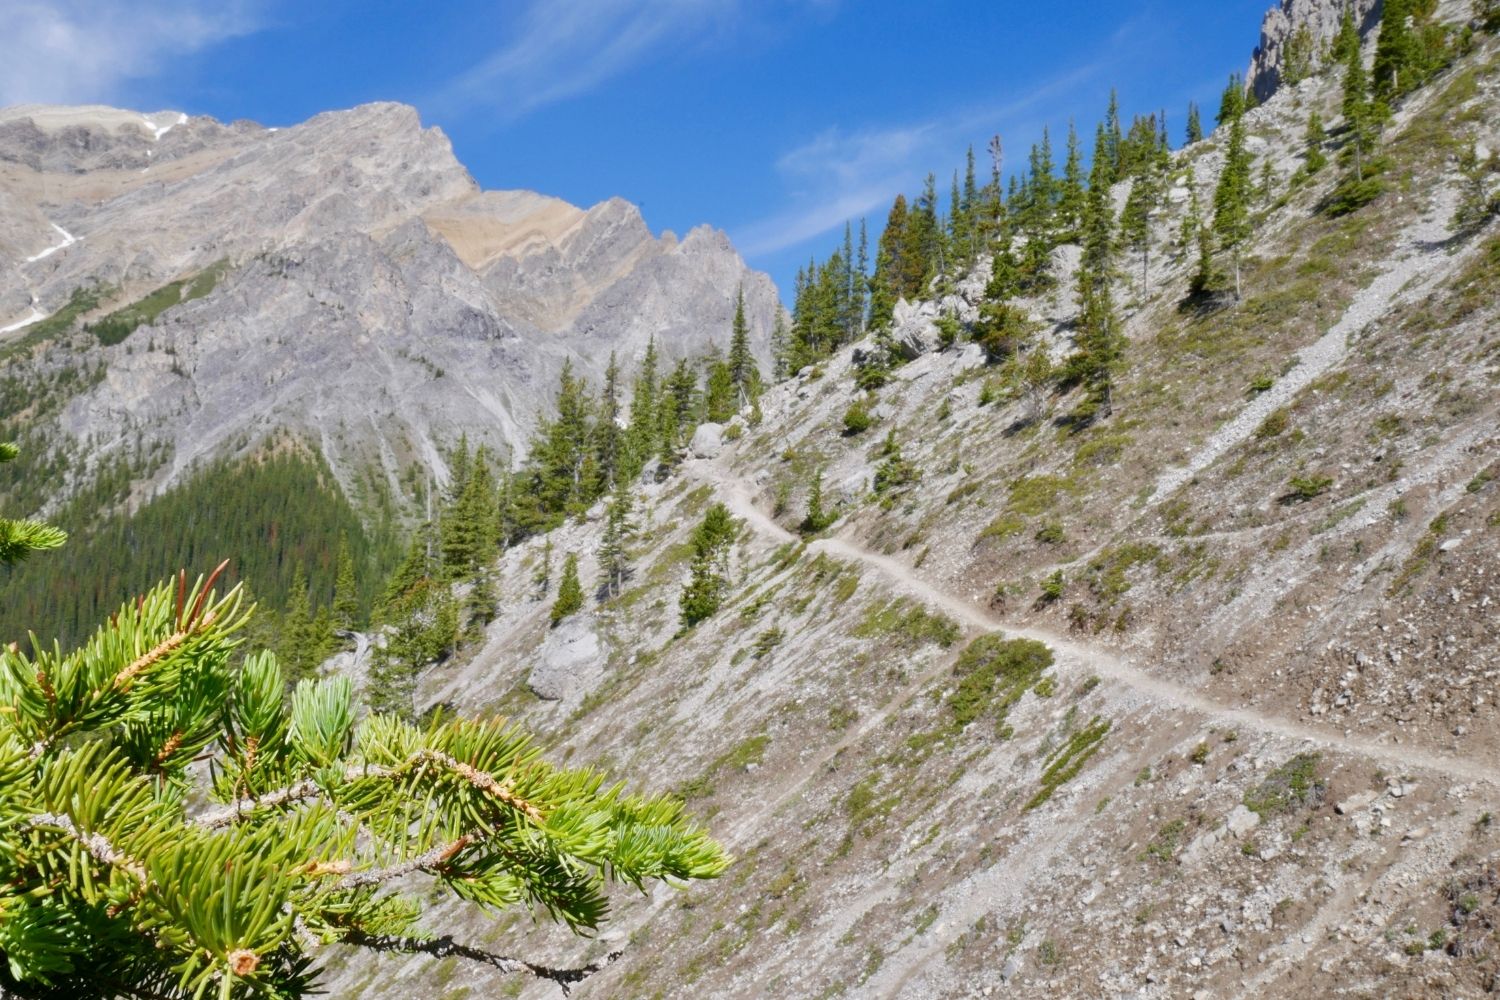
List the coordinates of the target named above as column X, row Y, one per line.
column 1082, row 658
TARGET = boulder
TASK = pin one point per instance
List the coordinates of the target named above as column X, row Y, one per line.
column 914, row 329
column 570, row 662
column 1242, row 821
column 708, row 441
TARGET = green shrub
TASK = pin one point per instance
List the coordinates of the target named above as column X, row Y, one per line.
column 1288, row 788
column 1306, row 488
column 1053, row 587
column 1273, row 425
column 858, row 418
column 1353, row 194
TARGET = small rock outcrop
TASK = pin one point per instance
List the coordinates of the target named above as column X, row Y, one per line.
column 708, row 441
column 1320, row 18
column 570, row 663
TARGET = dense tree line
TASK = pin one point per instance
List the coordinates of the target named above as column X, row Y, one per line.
column 280, row 516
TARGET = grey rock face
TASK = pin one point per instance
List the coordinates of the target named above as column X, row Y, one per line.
column 708, row 441
column 1320, row 17
column 570, row 663
column 374, row 300
column 914, row 329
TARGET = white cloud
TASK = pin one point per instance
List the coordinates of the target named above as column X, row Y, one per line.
column 78, row 51
column 836, row 176
column 560, row 50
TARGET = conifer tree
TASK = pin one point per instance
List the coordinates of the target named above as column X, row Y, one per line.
column 679, row 406
column 1314, row 137
column 1099, row 345
column 644, row 432
column 1396, row 52
column 1346, row 41
column 1360, row 115
column 818, row 517
column 719, row 396
column 972, row 211
column 611, row 444
column 1070, row 203
column 781, row 346
column 1232, row 199
column 744, row 374
column 891, row 266
column 569, row 591
column 345, row 591
column 20, row 538
column 1233, row 103
column 1135, row 220
column 614, row 547
column 564, row 469
column 120, row 881
column 1300, row 58
column 708, row 582
column 1113, row 136
column 924, row 248
column 299, row 643
column 1194, row 124
column 848, row 294
column 862, row 278
column 958, row 232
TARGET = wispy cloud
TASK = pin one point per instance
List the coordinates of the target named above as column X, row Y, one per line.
column 560, row 50
column 74, row 51
column 839, row 176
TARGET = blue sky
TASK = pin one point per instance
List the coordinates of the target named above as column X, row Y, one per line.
column 772, row 119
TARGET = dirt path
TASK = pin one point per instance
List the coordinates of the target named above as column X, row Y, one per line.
column 1081, row 658
column 1416, row 265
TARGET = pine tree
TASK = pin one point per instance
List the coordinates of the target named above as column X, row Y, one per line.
column 924, row 250
column 679, row 406
column 614, row 547
column 1135, row 220
column 862, row 278
column 1113, row 137
column 1194, row 124
column 18, row 539
column 569, row 591
column 406, row 585
column 781, row 346
column 718, row 391
column 298, row 642
column 611, row 445
column 818, row 518
column 744, row 374
column 1300, row 58
column 1233, row 103
column 1396, row 52
column 1070, row 203
column 644, row 432
column 891, row 266
column 1360, row 114
column 1314, row 138
column 345, row 591
column 708, row 582
column 972, row 211
column 1232, row 199
column 1346, row 40
column 848, row 296
column 120, row 882
column 1099, row 345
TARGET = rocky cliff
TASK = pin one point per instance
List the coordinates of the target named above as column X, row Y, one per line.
column 361, row 289
column 1318, row 18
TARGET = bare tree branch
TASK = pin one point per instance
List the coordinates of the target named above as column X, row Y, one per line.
column 445, row 946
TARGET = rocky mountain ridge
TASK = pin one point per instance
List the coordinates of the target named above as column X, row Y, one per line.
column 1260, row 756
column 365, row 293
